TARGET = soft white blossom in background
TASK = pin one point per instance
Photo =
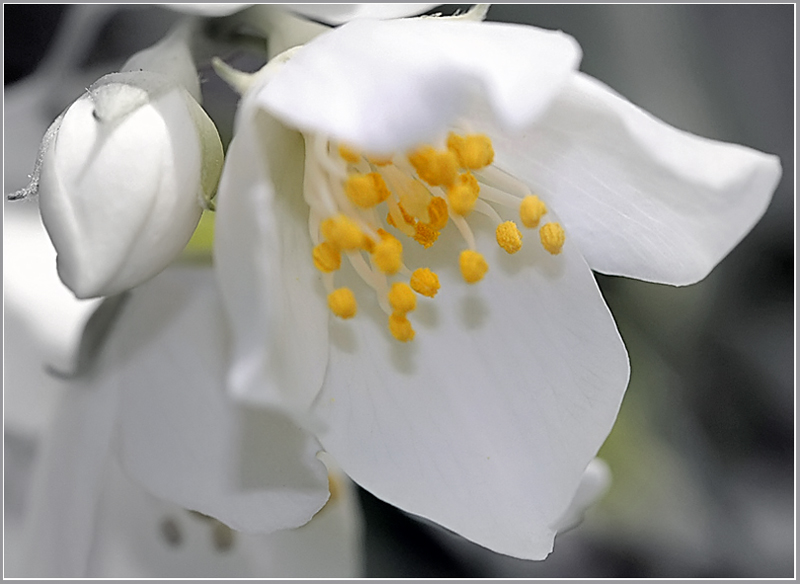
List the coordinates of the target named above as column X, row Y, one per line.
column 487, row 421
column 76, row 512
column 42, row 322
column 124, row 173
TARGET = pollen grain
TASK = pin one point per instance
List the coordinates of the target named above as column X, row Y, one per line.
column 388, row 254
column 552, row 236
column 366, row 190
column 435, row 167
column 425, row 282
column 327, row 257
column 342, row 303
column 473, row 266
column 401, row 328
column 343, row 232
column 402, row 298
column 531, row 211
column 473, row 151
column 509, row 237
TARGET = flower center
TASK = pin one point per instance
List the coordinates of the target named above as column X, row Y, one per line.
column 356, row 199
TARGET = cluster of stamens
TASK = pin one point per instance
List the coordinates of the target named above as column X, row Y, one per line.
column 355, row 198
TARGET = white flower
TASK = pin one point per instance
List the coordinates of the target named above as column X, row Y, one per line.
column 41, row 326
column 154, row 407
column 124, row 173
column 485, row 422
column 78, row 513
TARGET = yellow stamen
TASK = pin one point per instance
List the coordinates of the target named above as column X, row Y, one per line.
column 402, row 298
column 348, row 154
column 400, row 328
column 474, row 151
column 342, row 303
column 463, row 194
column 509, row 237
column 422, row 190
column 366, row 190
column 437, row 213
column 388, row 254
column 437, row 168
column 343, row 232
column 531, row 210
column 327, row 257
column 473, row 266
column 425, row 235
column 552, row 236
column 425, row 282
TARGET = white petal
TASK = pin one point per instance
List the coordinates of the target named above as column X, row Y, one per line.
column 641, row 198
column 43, row 320
column 485, row 422
column 263, row 261
column 341, row 13
column 594, row 483
column 181, row 435
column 388, row 85
column 59, row 530
column 210, row 9
column 140, row 536
column 328, row 546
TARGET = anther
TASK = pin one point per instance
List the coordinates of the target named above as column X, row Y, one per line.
column 425, row 282
column 443, row 186
column 463, row 194
column 437, row 168
column 400, row 327
column 342, row 232
column 388, row 254
column 473, row 266
column 326, row 257
column 402, row 298
column 473, row 152
column 366, row 190
column 531, row 210
column 509, row 237
column 425, row 235
column 342, row 303
column 437, row 213
column 552, row 236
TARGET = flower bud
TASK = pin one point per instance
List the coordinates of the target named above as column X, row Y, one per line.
column 124, row 177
